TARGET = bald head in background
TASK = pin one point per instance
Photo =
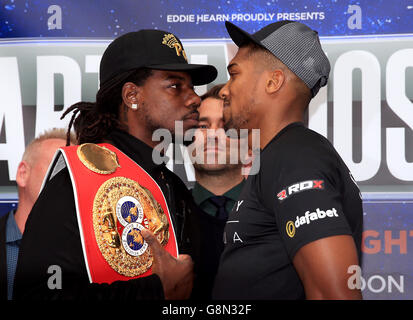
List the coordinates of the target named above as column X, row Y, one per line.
column 32, row 170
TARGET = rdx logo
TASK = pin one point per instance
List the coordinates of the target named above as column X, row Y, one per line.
column 300, row 186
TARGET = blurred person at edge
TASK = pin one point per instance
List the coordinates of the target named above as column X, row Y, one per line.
column 30, row 175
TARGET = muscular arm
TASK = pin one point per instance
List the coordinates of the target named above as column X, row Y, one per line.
column 322, row 266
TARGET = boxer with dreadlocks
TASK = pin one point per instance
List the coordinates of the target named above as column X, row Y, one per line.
column 146, row 83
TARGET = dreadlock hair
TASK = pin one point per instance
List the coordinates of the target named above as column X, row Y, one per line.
column 96, row 120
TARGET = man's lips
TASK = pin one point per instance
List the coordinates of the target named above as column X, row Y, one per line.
column 214, row 146
column 213, row 149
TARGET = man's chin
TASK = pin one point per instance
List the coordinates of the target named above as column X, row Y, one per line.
column 230, row 125
column 187, row 143
column 211, row 168
column 232, row 131
column 181, row 141
column 186, row 139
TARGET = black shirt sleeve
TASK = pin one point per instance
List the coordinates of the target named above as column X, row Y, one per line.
column 52, row 238
column 301, row 186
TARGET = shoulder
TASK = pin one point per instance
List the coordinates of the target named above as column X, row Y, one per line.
column 299, row 140
column 297, row 155
column 57, row 193
column 176, row 181
column 299, row 147
column 59, row 183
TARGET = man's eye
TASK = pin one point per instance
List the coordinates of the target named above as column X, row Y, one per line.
column 203, row 126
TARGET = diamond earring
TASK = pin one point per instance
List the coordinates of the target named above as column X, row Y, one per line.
column 134, row 106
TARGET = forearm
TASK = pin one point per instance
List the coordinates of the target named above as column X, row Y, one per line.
column 332, row 293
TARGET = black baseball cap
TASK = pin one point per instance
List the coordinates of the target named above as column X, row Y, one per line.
column 295, row 44
column 153, row 49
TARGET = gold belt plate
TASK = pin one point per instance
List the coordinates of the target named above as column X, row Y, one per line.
column 121, row 209
column 97, row 158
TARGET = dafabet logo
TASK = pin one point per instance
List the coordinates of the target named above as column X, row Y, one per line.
column 307, row 218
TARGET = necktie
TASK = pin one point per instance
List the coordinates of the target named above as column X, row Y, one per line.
column 219, row 202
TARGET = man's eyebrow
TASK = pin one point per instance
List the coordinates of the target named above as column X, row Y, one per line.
column 231, row 65
column 174, row 77
column 203, row 119
column 208, row 119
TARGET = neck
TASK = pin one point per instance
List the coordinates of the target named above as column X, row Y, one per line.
column 144, row 135
column 148, row 141
column 23, row 210
column 271, row 125
column 218, row 184
column 268, row 134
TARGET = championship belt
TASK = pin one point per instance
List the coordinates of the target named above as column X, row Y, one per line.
column 115, row 199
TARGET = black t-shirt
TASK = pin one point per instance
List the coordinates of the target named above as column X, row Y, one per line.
column 303, row 192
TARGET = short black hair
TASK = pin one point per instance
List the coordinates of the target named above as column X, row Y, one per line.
column 213, row 92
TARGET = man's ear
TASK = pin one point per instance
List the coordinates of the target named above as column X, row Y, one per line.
column 23, row 174
column 275, row 81
column 130, row 92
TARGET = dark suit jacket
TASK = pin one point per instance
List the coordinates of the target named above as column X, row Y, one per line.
column 3, row 260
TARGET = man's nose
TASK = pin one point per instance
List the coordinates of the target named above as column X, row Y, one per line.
column 193, row 100
column 223, row 93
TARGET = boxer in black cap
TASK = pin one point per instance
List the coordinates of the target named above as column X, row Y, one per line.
column 296, row 228
column 146, row 83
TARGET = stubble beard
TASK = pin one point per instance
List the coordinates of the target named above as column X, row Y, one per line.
column 152, row 125
column 241, row 120
column 216, row 169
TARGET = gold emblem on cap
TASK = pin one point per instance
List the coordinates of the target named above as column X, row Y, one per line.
column 111, row 211
column 98, row 159
column 171, row 41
